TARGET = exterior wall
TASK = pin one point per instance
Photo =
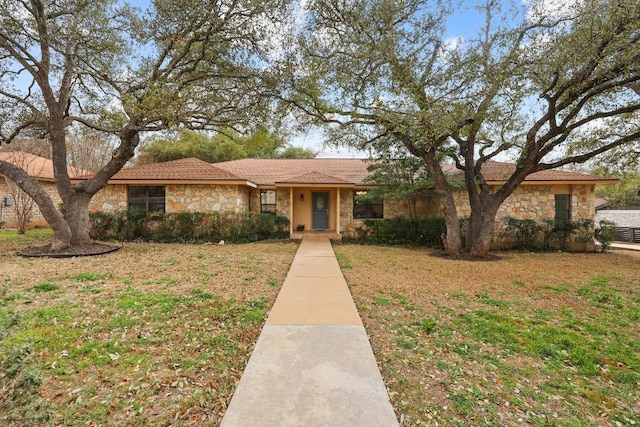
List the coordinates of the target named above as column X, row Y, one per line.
column 283, row 207
column 426, row 207
column 301, row 208
column 536, row 202
column 206, row 198
column 347, row 223
column 282, row 201
column 110, row 198
column 182, row 197
column 37, row 220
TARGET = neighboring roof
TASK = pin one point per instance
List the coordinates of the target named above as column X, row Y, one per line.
column 267, row 172
column 600, row 203
column 183, row 170
column 36, row 166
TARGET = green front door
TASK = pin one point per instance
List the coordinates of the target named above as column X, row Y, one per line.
column 320, row 211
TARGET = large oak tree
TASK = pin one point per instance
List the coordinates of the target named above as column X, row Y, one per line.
column 545, row 89
column 106, row 66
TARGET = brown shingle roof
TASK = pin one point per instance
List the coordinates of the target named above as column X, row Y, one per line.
column 498, row 171
column 36, row 166
column 354, row 171
column 314, row 178
column 270, row 171
column 190, row 169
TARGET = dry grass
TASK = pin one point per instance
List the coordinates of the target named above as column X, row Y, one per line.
column 154, row 334
column 524, row 339
column 159, row 334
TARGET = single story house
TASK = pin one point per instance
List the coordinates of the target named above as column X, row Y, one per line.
column 41, row 170
column 322, row 194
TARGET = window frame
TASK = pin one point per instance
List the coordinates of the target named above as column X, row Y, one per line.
column 149, row 201
column 265, row 205
column 560, row 214
column 367, row 209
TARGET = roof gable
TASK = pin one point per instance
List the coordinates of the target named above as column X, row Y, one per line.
column 314, row 178
column 189, row 169
column 271, row 171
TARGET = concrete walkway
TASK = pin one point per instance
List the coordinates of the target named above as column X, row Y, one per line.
column 313, row 364
column 625, row 245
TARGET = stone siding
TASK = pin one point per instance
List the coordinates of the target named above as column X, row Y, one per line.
column 347, row 223
column 181, row 197
column 36, row 220
column 205, row 198
column 110, row 198
column 425, row 207
column 283, row 204
column 536, row 202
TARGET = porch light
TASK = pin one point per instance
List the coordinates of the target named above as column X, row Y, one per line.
column 302, row 197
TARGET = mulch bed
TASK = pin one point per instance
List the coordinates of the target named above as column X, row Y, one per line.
column 92, row 249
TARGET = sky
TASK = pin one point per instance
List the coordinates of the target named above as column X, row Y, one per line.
column 462, row 23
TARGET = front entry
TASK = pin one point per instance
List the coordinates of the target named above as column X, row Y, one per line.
column 320, row 211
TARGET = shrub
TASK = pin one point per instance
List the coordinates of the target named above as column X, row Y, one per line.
column 523, row 233
column 402, row 230
column 188, row 226
column 605, row 233
column 583, row 233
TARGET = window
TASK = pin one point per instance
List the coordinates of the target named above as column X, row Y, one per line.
column 563, row 208
column 145, row 199
column 365, row 207
column 268, row 201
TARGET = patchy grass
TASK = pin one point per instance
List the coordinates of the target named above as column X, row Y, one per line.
column 153, row 334
column 528, row 339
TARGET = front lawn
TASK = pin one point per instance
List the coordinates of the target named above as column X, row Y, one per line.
column 527, row 339
column 153, row 334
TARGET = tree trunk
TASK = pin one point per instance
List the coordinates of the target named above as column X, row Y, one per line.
column 77, row 217
column 481, row 228
column 452, row 240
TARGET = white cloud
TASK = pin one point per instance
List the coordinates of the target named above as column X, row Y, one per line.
column 557, row 9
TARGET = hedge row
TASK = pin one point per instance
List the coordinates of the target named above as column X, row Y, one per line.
column 549, row 234
column 401, row 230
column 188, row 226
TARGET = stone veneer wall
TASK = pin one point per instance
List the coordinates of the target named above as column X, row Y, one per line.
column 37, row 220
column 347, row 223
column 181, row 197
column 425, row 206
column 206, row 198
column 110, row 198
column 536, row 202
column 283, row 205
column 282, row 201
